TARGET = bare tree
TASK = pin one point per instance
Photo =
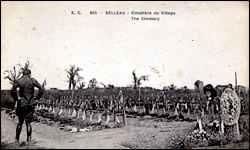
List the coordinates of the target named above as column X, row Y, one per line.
column 15, row 74
column 137, row 81
column 111, row 86
column 73, row 76
column 81, row 85
column 103, row 85
column 134, row 79
column 44, row 83
column 172, row 87
column 137, row 84
column 12, row 75
column 92, row 83
column 77, row 80
column 142, row 78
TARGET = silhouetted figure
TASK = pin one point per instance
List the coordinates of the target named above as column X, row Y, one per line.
column 25, row 106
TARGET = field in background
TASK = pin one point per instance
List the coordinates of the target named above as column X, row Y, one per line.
column 141, row 131
column 7, row 101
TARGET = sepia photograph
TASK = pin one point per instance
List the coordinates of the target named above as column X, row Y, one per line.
column 125, row 75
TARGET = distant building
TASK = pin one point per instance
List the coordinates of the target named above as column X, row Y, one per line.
column 198, row 86
column 53, row 88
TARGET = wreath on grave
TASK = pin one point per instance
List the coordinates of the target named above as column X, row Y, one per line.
column 230, row 107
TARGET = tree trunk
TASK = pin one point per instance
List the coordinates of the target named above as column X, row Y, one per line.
column 70, row 82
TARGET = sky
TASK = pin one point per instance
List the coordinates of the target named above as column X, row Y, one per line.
column 207, row 41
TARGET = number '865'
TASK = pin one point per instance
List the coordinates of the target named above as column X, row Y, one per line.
column 93, row 12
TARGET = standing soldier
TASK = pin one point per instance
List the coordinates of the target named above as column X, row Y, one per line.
column 25, row 105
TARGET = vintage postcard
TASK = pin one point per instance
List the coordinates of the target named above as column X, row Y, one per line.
column 107, row 75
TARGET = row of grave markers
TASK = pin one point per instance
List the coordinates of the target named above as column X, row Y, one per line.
column 81, row 113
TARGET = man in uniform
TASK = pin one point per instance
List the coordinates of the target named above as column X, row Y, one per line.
column 26, row 101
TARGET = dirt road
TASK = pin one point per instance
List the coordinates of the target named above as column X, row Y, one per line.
column 45, row 136
column 52, row 137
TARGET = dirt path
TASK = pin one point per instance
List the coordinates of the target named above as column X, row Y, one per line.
column 52, row 137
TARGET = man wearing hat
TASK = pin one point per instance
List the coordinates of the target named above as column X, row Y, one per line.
column 26, row 101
